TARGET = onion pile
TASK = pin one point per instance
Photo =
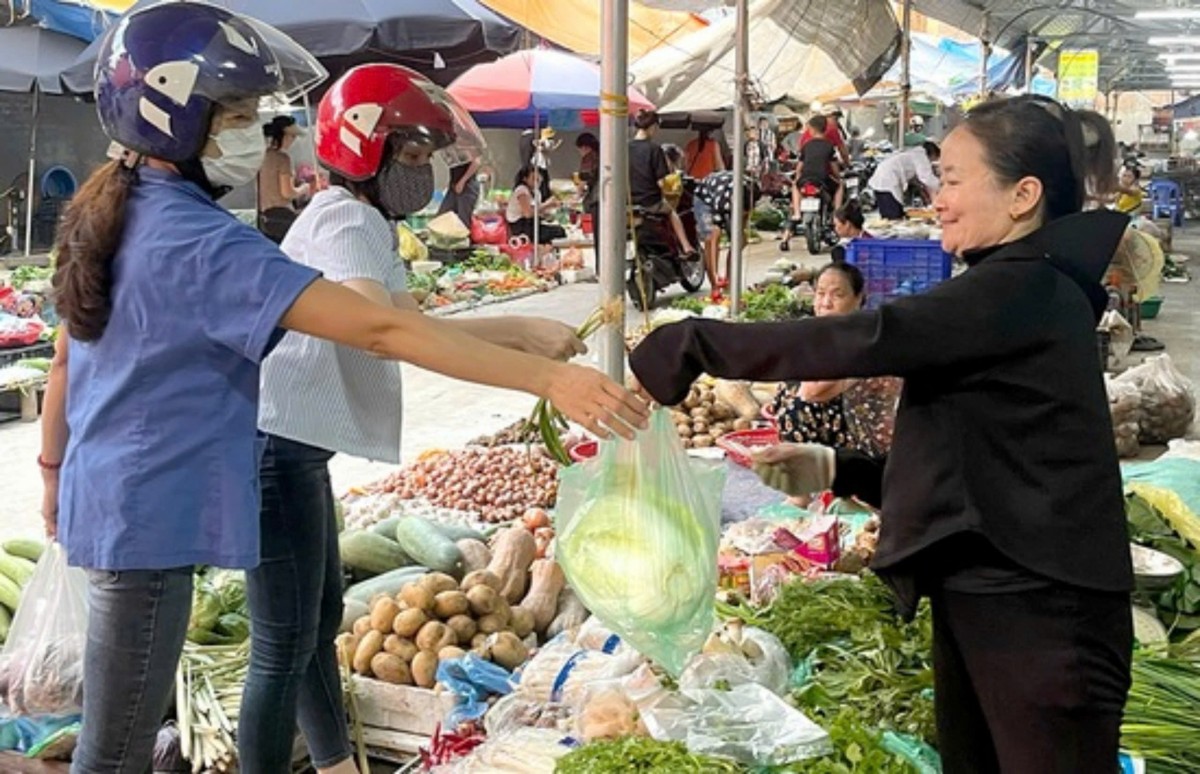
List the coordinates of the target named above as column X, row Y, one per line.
column 498, row 484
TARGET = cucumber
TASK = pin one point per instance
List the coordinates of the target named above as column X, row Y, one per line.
column 5, row 623
column 368, row 552
column 425, row 543
column 389, row 583
column 25, row 548
column 387, row 528
column 457, row 532
column 17, row 569
column 10, row 593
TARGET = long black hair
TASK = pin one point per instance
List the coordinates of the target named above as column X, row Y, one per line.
column 1072, row 152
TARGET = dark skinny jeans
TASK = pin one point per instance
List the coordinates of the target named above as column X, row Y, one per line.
column 295, row 597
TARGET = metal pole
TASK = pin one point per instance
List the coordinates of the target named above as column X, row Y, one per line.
column 537, row 191
column 985, row 54
column 737, row 233
column 32, row 167
column 905, row 72
column 614, row 177
column 1028, row 65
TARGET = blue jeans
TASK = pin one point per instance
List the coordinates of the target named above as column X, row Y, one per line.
column 295, row 597
column 137, row 622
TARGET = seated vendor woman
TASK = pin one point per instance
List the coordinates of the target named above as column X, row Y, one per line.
column 850, row 414
column 521, row 206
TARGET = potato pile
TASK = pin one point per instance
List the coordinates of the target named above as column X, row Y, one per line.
column 497, row 613
column 712, row 409
column 498, row 484
column 404, row 638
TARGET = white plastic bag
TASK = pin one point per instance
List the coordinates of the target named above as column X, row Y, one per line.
column 1168, row 399
column 41, row 666
column 1120, row 334
column 737, row 657
column 747, row 723
column 1125, row 405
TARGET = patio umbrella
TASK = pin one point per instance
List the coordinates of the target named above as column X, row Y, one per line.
column 429, row 36
column 35, row 56
column 538, row 86
column 33, row 60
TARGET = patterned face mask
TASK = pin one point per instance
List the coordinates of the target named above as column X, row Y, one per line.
column 405, row 189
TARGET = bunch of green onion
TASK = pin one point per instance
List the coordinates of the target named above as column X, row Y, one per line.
column 546, row 420
column 1162, row 714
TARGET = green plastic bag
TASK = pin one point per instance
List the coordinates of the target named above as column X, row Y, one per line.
column 638, row 529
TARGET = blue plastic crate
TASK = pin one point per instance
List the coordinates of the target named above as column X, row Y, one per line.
column 898, row 267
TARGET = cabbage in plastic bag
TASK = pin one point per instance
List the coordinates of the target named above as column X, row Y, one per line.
column 638, row 529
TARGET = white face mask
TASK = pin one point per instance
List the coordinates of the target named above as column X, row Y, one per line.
column 242, row 151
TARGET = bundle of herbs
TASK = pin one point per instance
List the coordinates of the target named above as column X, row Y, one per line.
column 854, row 654
column 1161, row 723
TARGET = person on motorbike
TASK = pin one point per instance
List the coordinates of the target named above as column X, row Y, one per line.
column 649, row 177
column 915, row 136
column 896, row 172
column 818, row 164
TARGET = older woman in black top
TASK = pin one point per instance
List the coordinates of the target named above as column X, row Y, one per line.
column 1002, row 494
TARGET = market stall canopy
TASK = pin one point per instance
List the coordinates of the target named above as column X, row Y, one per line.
column 35, row 56
column 551, row 88
column 427, row 35
column 575, row 24
column 800, row 50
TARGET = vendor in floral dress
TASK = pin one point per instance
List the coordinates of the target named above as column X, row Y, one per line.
column 850, row 414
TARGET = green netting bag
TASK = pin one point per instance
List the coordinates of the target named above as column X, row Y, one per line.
column 638, row 528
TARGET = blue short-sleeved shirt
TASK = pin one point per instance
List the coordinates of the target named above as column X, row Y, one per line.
column 161, row 468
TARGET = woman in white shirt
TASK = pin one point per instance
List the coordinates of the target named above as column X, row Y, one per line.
column 377, row 128
column 521, row 207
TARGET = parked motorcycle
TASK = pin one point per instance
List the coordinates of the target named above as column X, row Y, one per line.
column 658, row 261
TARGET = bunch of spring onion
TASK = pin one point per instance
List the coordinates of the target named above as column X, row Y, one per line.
column 1161, row 721
column 208, row 699
column 549, row 422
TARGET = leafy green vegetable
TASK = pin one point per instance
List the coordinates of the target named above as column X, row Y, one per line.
column 855, row 654
column 206, row 609
column 23, row 275
column 767, row 217
column 234, row 625
column 1179, row 606
column 771, row 302
column 637, row 755
column 858, row 749
column 694, row 304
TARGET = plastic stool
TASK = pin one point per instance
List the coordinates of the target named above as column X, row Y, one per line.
column 1166, row 199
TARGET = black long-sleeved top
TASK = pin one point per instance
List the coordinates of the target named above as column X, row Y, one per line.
column 1003, row 428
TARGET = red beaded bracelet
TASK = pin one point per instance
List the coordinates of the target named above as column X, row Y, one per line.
column 47, row 465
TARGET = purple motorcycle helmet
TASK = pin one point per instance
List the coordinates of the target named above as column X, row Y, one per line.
column 164, row 69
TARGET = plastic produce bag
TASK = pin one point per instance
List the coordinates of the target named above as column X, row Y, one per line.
column 1125, row 404
column 1168, row 399
column 747, row 723
column 737, row 656
column 473, row 680
column 638, row 527
column 41, row 667
column 1120, row 333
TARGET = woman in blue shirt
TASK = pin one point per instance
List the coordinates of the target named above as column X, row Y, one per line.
column 170, row 306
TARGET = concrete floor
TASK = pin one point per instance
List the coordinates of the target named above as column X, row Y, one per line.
column 441, row 412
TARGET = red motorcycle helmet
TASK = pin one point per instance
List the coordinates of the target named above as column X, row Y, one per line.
column 371, row 102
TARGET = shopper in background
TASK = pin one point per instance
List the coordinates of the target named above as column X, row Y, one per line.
column 156, row 435
column 713, row 209
column 277, row 189
column 463, row 159
column 896, row 172
column 587, row 181
column 649, row 176
column 1002, row 499
column 703, row 155
column 915, row 136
